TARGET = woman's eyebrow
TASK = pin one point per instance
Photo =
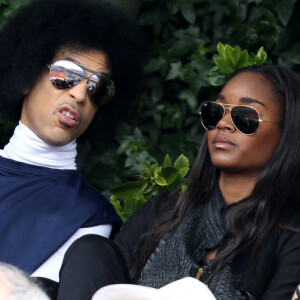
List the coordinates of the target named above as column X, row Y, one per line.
column 249, row 100
column 221, row 97
column 244, row 100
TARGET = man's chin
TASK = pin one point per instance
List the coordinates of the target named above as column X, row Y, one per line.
column 58, row 141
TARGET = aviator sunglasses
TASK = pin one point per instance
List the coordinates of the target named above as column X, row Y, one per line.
column 245, row 118
column 65, row 74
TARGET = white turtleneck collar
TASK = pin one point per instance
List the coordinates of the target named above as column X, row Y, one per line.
column 25, row 146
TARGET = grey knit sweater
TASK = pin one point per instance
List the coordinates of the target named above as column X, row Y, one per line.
column 182, row 254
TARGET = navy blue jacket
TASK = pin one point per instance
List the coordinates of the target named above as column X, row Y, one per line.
column 40, row 208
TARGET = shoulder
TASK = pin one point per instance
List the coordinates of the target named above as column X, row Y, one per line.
column 292, row 217
column 134, row 229
column 289, row 232
column 158, row 205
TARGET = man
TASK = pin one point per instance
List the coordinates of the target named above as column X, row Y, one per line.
column 68, row 68
column 15, row 285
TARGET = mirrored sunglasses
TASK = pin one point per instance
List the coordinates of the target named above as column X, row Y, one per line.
column 245, row 118
column 65, row 74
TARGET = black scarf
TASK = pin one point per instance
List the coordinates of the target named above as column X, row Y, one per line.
column 181, row 254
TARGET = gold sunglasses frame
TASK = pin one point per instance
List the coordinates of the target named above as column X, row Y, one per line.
column 229, row 107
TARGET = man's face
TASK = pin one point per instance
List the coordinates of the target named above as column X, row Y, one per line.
column 60, row 116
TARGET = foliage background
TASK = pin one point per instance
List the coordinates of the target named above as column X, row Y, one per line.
column 182, row 39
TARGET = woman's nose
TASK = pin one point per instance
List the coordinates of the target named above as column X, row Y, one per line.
column 226, row 123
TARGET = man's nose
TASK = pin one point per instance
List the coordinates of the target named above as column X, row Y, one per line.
column 79, row 91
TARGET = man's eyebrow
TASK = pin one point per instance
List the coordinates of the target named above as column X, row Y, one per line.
column 244, row 100
column 67, row 57
column 74, row 60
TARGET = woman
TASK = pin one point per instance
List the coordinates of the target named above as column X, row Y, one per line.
column 236, row 227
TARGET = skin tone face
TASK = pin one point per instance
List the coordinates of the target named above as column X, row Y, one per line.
column 45, row 109
column 5, row 292
column 241, row 157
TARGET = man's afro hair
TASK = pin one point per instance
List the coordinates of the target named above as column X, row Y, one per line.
column 31, row 38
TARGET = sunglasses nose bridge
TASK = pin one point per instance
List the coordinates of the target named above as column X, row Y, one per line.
column 227, row 109
column 79, row 91
column 86, row 80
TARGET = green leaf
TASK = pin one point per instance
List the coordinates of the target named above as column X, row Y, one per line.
column 182, row 162
column 144, row 164
column 160, row 181
column 130, row 207
column 216, row 78
column 221, row 49
column 231, row 60
column 116, row 203
column 175, row 71
column 155, row 64
column 183, row 47
column 156, row 94
column 183, row 172
column 242, row 60
column 167, row 161
column 130, row 190
column 169, row 174
column 224, row 66
column 183, row 188
column 228, row 51
column 119, row 209
column 189, row 13
column 235, row 55
column 292, row 54
column 190, row 97
column 154, row 167
column 284, row 10
column 250, row 61
column 260, row 57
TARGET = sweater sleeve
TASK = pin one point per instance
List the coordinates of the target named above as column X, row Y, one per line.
column 287, row 272
column 137, row 225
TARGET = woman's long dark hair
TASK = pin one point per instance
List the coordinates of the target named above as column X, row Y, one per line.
column 249, row 222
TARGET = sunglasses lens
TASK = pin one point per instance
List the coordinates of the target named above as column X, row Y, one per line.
column 211, row 114
column 245, row 119
column 102, row 90
column 65, row 74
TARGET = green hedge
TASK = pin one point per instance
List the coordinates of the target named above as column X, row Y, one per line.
column 183, row 37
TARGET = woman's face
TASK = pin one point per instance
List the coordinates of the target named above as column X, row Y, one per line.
column 234, row 152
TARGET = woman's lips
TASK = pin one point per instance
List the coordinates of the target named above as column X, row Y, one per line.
column 222, row 142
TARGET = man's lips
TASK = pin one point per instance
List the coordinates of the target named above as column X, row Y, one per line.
column 68, row 116
column 222, row 142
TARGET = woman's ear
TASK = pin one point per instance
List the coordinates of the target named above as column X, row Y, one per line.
column 25, row 91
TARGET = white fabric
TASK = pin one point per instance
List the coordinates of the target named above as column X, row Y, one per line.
column 187, row 288
column 50, row 268
column 25, row 146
